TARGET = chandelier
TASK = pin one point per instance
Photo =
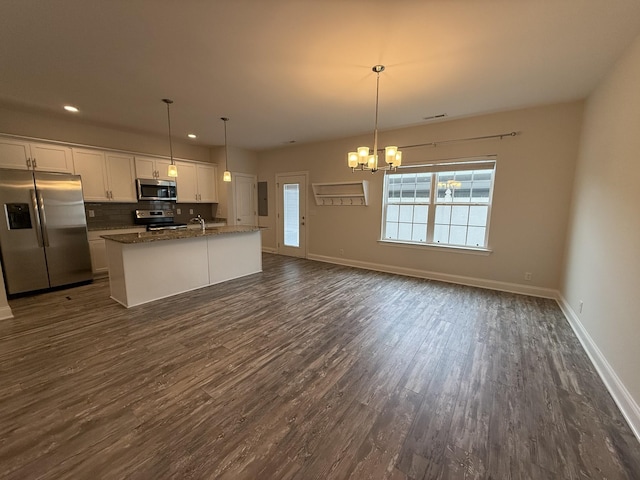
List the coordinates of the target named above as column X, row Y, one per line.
column 366, row 160
column 172, row 170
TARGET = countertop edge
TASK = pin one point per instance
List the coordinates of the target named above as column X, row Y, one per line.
column 148, row 237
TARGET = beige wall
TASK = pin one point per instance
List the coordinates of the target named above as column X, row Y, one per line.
column 239, row 161
column 54, row 127
column 603, row 244
column 531, row 197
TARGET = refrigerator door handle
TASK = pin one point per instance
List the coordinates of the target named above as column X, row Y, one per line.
column 43, row 221
column 36, row 211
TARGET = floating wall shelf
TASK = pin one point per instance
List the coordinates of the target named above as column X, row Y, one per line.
column 342, row 193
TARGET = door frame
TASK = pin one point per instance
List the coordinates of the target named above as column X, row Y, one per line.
column 279, row 234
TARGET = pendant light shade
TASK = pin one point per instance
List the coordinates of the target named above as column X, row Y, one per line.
column 172, row 171
column 226, row 176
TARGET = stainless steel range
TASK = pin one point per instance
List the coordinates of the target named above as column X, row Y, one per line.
column 157, row 220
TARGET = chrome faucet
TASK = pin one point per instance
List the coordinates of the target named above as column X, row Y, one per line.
column 199, row 220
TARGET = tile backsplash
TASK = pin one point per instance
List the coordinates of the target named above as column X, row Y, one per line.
column 110, row 215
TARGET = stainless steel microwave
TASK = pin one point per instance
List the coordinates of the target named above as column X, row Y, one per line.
column 151, row 189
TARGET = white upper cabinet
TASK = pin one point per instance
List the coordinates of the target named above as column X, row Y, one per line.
column 106, row 176
column 207, row 183
column 149, row 167
column 46, row 157
column 121, row 177
column 196, row 182
column 187, row 182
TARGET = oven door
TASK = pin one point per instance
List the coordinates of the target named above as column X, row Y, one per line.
column 156, row 189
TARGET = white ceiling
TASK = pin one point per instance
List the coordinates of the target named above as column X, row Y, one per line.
column 300, row 70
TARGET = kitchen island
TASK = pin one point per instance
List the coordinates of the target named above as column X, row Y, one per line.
column 148, row 266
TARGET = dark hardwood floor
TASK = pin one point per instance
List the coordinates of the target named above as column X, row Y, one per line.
column 305, row 371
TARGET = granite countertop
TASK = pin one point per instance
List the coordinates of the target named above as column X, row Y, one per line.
column 146, row 237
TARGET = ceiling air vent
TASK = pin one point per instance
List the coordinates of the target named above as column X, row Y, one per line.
column 434, row 117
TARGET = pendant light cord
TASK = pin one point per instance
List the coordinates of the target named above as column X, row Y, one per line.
column 226, row 157
column 169, row 102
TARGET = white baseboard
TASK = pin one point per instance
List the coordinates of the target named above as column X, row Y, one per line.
column 629, row 408
column 443, row 277
column 5, row 313
column 269, row 250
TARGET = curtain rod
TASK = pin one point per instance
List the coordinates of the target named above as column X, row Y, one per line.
column 470, row 139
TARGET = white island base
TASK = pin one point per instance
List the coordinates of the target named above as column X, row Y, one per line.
column 151, row 270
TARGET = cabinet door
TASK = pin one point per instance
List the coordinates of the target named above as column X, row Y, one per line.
column 121, row 177
column 145, row 167
column 90, row 165
column 186, row 182
column 51, row 158
column 206, row 183
column 98, row 251
column 14, row 154
column 162, row 167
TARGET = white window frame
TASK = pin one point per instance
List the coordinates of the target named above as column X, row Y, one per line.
column 467, row 164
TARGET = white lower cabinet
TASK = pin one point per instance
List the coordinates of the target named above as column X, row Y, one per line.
column 98, row 249
column 106, row 176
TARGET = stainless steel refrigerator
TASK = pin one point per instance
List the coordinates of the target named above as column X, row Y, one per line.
column 43, row 232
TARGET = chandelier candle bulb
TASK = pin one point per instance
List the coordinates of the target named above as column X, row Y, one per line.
column 390, row 154
column 352, row 159
column 363, row 154
column 373, row 162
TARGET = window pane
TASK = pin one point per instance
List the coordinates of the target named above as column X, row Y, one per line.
column 475, row 236
column 459, row 215
column 419, row 232
column 478, row 216
column 458, row 235
column 406, row 213
column 391, row 230
column 404, row 231
column 291, row 215
column 443, row 214
column 392, row 213
column 420, row 213
column 441, row 234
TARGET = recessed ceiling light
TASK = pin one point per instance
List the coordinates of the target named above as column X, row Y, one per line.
column 192, row 135
column 71, row 108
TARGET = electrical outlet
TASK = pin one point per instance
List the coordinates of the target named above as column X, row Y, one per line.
column 580, row 307
column 178, row 211
column 92, row 213
column 191, row 211
column 342, row 252
column 527, row 276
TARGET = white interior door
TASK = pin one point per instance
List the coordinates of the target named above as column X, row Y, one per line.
column 245, row 200
column 292, row 214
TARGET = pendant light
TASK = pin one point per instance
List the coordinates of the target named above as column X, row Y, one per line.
column 226, row 176
column 172, row 171
column 365, row 159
